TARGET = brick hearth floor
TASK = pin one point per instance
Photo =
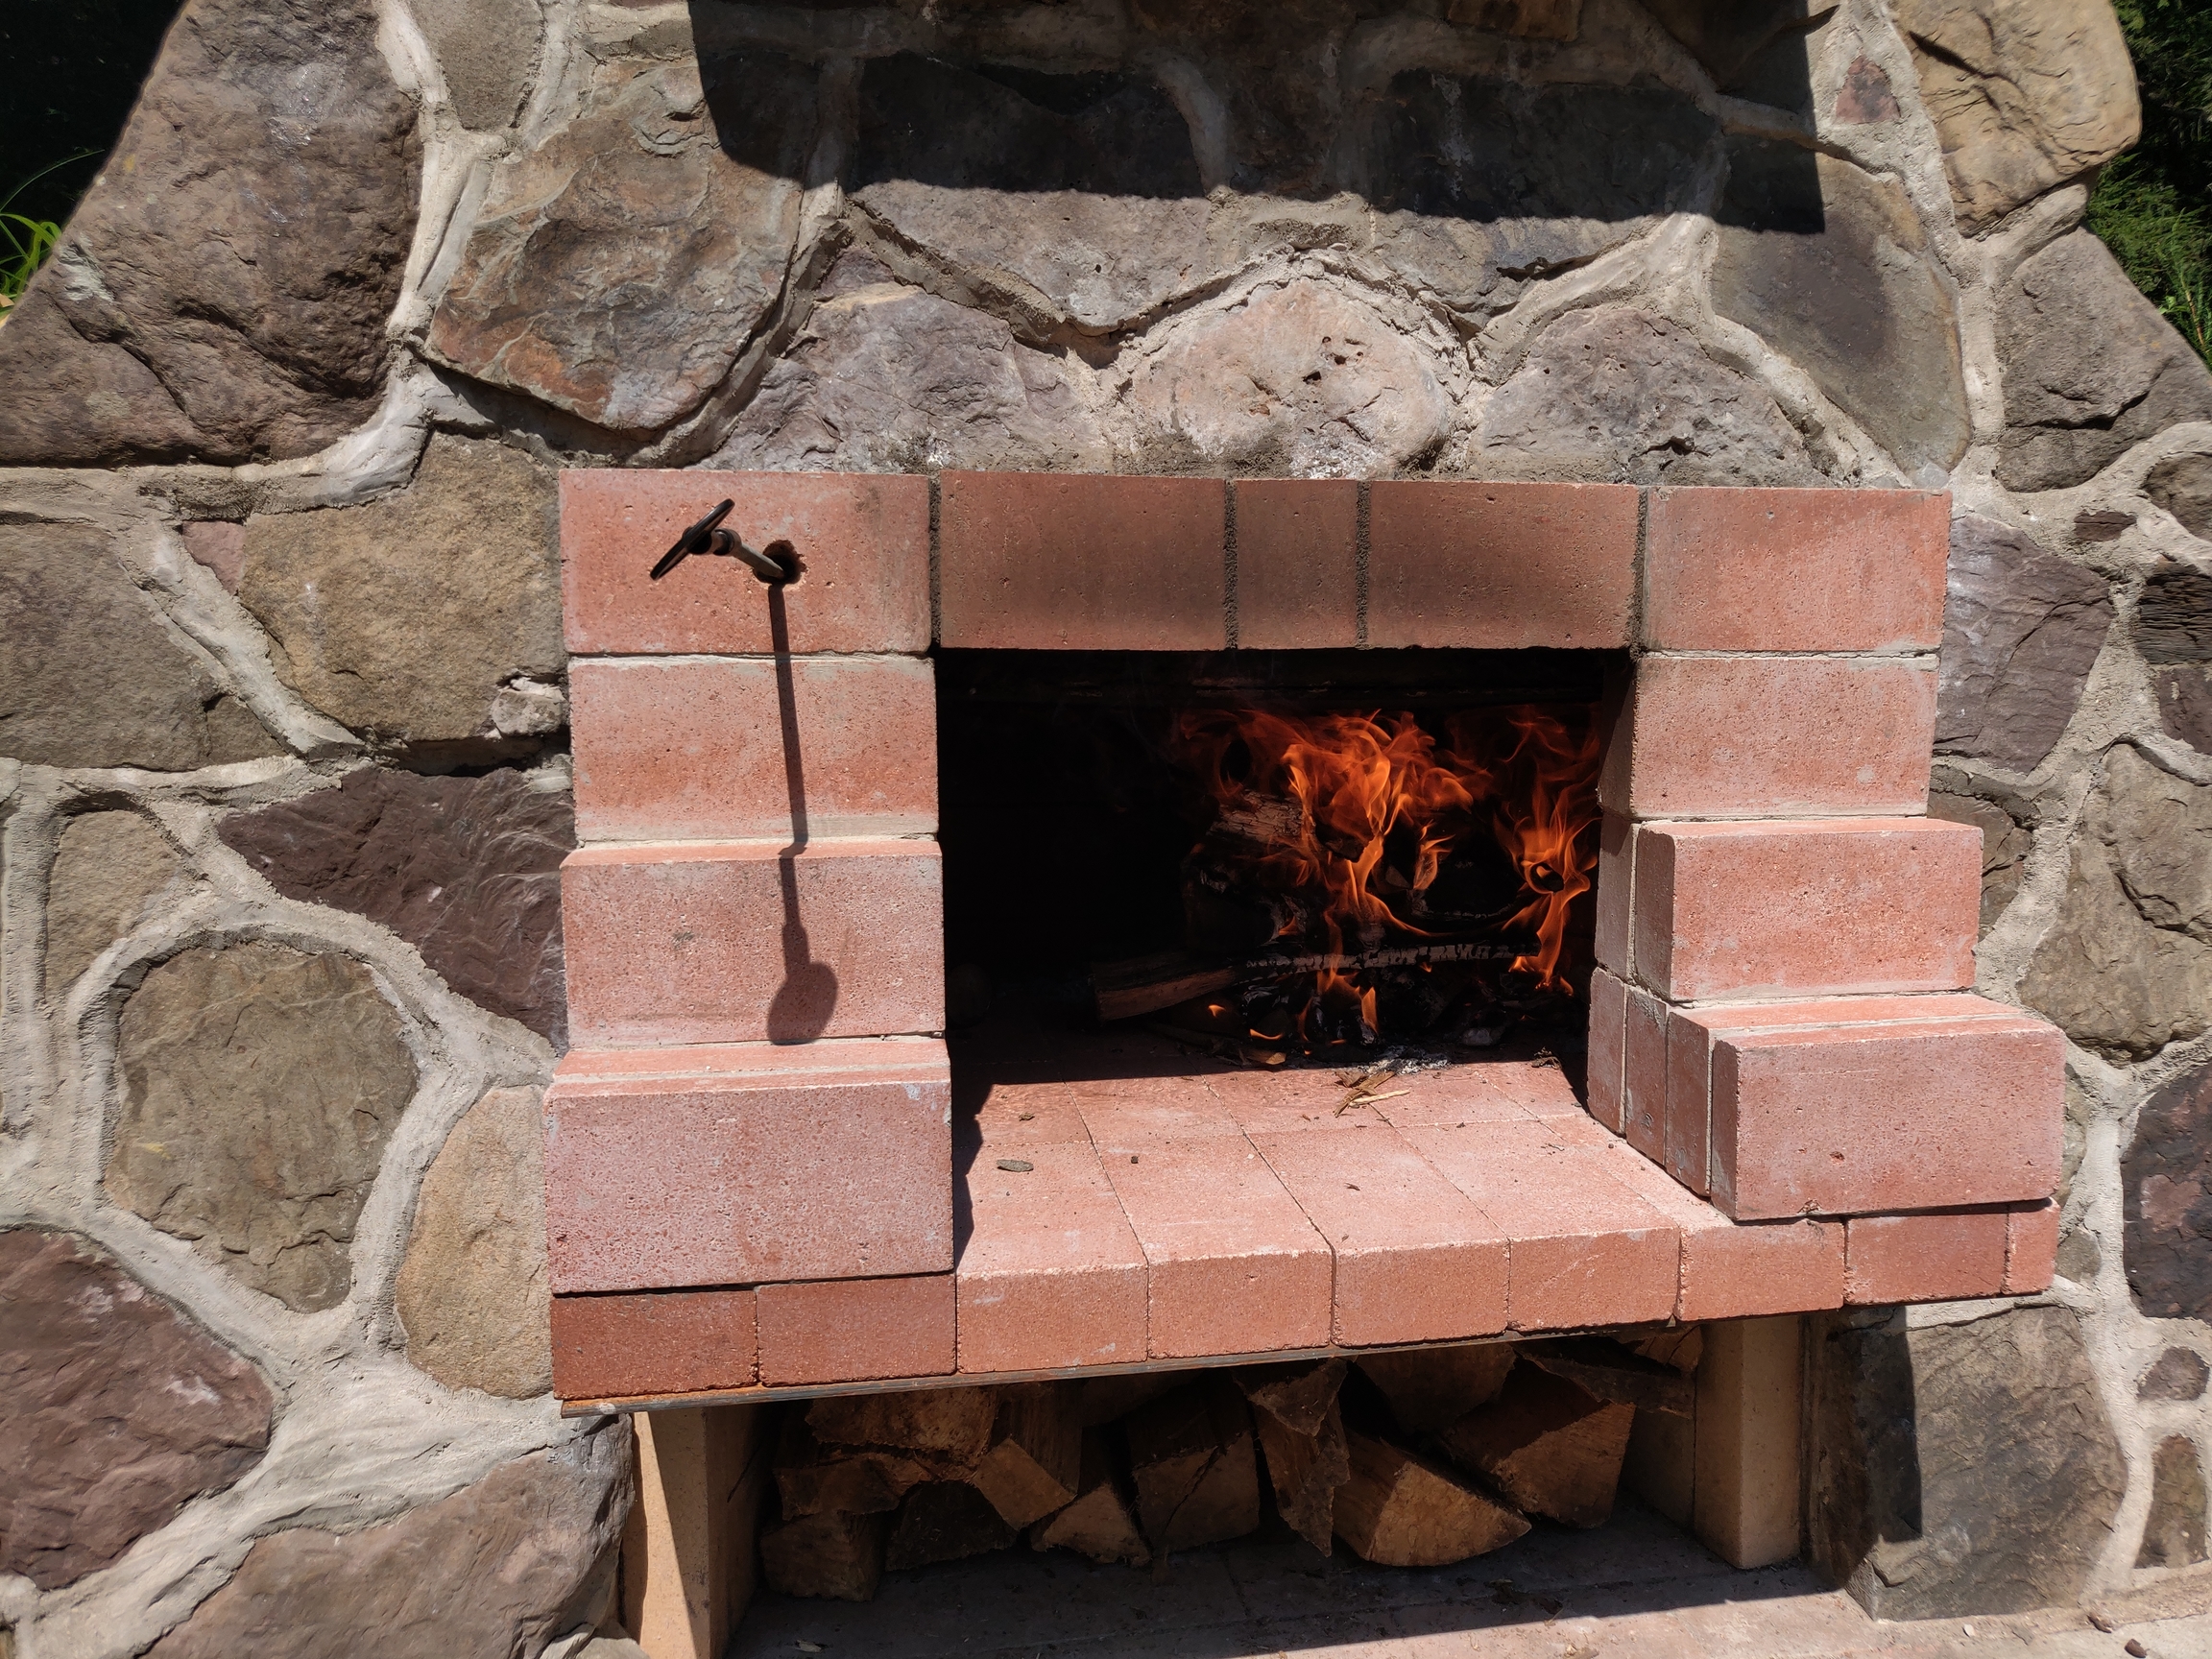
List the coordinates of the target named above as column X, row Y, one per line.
column 1634, row 1589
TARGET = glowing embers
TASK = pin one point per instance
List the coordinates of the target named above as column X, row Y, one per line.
column 1362, row 877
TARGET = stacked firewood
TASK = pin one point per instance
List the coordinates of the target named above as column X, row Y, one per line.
column 1416, row 1458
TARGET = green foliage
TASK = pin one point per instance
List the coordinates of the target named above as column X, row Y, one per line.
column 2153, row 209
column 24, row 241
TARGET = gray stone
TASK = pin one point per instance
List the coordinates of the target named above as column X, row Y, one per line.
column 1733, row 38
column 2126, row 965
column 2079, row 1256
column 618, row 268
column 472, row 1294
column 2025, row 94
column 2077, row 397
column 2022, row 628
column 2180, row 1373
column 2004, row 846
column 1618, row 393
column 1300, row 381
column 2166, row 1179
column 889, row 380
column 495, row 1572
column 406, row 616
column 92, row 675
column 2173, row 1532
column 1829, row 265
column 1525, row 181
column 1959, row 1468
column 467, row 870
column 259, row 1087
column 105, row 867
column 489, row 52
column 234, row 312
column 115, row 1409
column 2182, row 485
column 2174, row 615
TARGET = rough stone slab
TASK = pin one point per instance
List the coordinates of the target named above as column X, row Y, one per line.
column 115, row 1409
column 2004, row 846
column 105, row 867
column 92, row 675
column 472, row 1294
column 500, row 1568
column 2077, row 397
column 2182, row 485
column 2173, row 1532
column 2166, row 1177
column 259, row 1087
column 617, row 269
column 489, row 50
column 235, row 312
column 1829, row 265
column 467, row 870
column 2022, row 628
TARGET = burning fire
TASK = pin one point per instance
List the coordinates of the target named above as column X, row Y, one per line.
column 1334, row 829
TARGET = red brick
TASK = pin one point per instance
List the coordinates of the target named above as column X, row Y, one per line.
column 1051, row 1274
column 1812, row 907
column 856, row 1330
column 1020, row 1114
column 1416, row 1262
column 1236, row 1268
column 1500, row 566
column 1929, row 1258
column 1774, row 736
column 1495, row 1091
column 862, row 537
column 1136, row 1108
column 1582, row 1248
column 1297, row 564
column 1795, row 569
column 2031, row 1247
column 1286, row 1101
column 1614, row 891
column 1069, row 561
column 688, row 943
column 1643, row 1075
column 1927, row 1114
column 741, row 1164
column 669, row 1342
column 1608, row 1049
column 689, row 749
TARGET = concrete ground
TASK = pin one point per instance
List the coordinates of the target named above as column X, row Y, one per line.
column 1636, row 1588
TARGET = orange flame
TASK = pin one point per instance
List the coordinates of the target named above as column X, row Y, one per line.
column 1543, row 829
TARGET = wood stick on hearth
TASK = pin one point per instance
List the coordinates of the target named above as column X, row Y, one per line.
column 1398, row 1510
column 1549, row 1446
column 1146, row 984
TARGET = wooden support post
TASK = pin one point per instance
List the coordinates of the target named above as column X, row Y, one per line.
column 689, row 1561
column 1746, row 1507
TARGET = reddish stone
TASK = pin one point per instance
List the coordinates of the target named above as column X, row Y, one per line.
column 1643, row 1074
column 1930, row 1258
column 862, row 540
column 665, row 1342
column 742, row 1164
column 1071, row 560
column 1416, row 1262
column 1608, row 1049
column 2031, row 1247
column 1297, row 559
column 1500, row 566
column 1867, row 905
column 700, row 750
column 738, row 941
column 856, row 1330
column 1774, row 736
column 1615, row 890
column 1795, row 569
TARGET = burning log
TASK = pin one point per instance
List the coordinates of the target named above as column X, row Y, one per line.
column 1147, row 984
column 1197, row 1479
column 1035, row 1459
column 1429, row 1388
column 834, row 1557
column 944, row 1521
column 1099, row 1523
column 1551, row 1448
column 1398, row 1510
column 1607, row 1371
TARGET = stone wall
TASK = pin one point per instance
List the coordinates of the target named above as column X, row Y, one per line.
column 284, row 711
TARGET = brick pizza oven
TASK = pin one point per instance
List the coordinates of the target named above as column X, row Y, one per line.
column 767, row 1177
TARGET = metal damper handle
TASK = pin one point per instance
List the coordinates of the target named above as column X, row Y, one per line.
column 709, row 540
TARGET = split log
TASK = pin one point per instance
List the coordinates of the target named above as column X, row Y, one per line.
column 1036, row 1457
column 1101, row 1522
column 1108, row 1399
column 1296, row 1395
column 1608, row 1371
column 1147, row 984
column 1431, row 1388
column 834, row 1557
column 1549, row 1446
column 1305, row 1470
column 1682, row 1347
column 812, row 1479
column 944, row 1521
column 1197, row 1475
column 1398, row 1510
column 952, row 1426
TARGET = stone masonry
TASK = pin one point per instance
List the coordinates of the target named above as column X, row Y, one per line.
column 283, row 767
